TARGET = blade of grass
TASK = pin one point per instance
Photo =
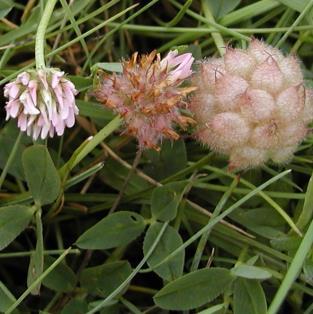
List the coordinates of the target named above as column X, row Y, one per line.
column 37, row 281
column 249, row 11
column 293, row 271
column 217, row 219
column 295, row 23
column 70, row 43
column 106, row 36
column 74, row 24
column 205, row 236
column 217, row 26
column 217, row 37
column 264, row 196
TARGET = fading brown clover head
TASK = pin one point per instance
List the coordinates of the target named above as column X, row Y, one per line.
column 148, row 95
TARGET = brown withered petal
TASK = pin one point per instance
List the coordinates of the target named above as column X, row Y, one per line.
column 148, row 96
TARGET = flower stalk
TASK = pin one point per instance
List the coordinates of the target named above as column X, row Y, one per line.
column 40, row 35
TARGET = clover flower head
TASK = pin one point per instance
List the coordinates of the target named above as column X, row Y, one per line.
column 252, row 105
column 148, row 95
column 42, row 101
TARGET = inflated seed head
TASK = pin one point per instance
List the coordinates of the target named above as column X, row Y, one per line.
column 252, row 105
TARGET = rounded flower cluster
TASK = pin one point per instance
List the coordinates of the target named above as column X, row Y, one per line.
column 252, row 105
column 148, row 97
column 43, row 101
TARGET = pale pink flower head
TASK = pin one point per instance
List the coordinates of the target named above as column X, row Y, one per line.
column 42, row 101
column 148, row 95
column 252, row 105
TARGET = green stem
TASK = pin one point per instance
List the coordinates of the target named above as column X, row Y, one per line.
column 217, row 37
column 88, row 146
column 39, row 247
column 37, row 281
column 205, row 236
column 40, row 35
column 296, row 22
column 10, row 159
column 217, row 219
column 29, row 253
column 293, row 271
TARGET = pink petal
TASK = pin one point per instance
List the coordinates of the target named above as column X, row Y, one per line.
column 31, row 120
column 51, row 131
column 32, row 87
column 12, row 108
column 70, row 121
column 36, row 131
column 184, row 68
column 59, row 128
column 27, row 101
column 44, row 131
column 22, row 122
column 56, row 79
column 11, row 90
column 23, row 78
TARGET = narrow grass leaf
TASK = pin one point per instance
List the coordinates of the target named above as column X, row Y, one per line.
column 307, row 210
column 6, row 298
column 215, row 309
column 5, row 7
column 35, row 267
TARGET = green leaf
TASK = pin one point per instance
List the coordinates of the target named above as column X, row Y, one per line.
column 112, row 231
column 171, row 159
column 249, row 297
column 61, row 279
column 194, row 289
column 81, row 83
column 104, row 279
column 25, row 29
column 297, row 5
column 165, row 200
column 94, row 110
column 5, row 7
column 286, row 243
column 13, row 220
column 250, row 272
column 108, row 66
column 75, row 306
column 113, row 174
column 42, row 177
column 170, row 241
column 221, row 7
column 6, row 299
column 215, row 309
column 8, row 136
